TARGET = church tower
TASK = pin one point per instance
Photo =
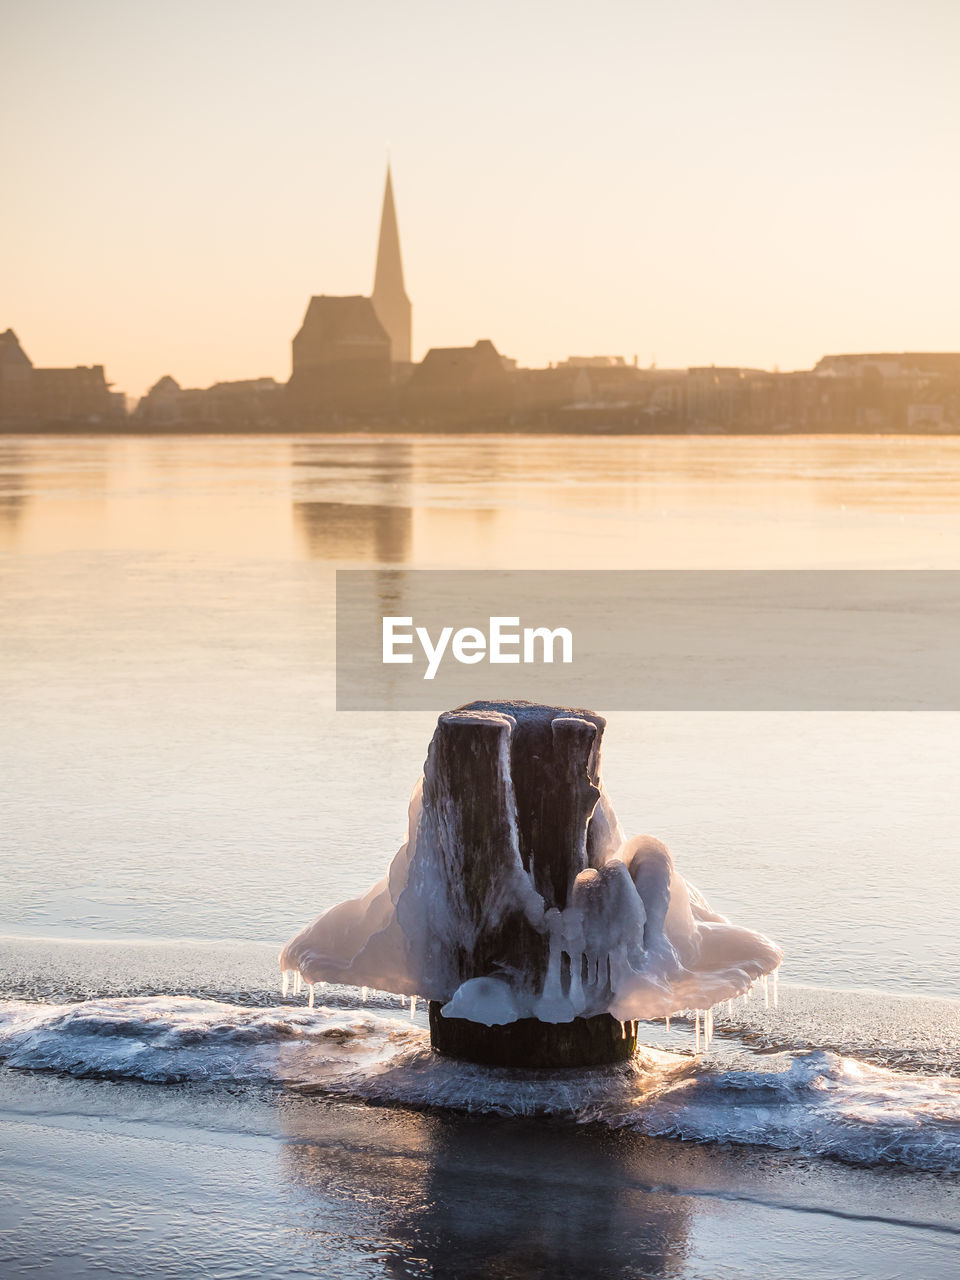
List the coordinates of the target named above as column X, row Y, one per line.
column 389, row 297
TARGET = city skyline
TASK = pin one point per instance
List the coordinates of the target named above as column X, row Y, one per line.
column 184, row 179
column 352, row 369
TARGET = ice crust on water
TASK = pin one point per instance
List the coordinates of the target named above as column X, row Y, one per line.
column 816, row 1102
column 634, row 939
column 173, row 1039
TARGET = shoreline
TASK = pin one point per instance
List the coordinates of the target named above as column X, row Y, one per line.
column 188, row 1182
column 605, row 431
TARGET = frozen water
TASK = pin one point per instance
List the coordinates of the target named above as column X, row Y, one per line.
column 817, row 1102
column 490, row 1000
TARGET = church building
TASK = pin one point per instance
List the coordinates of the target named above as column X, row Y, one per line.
column 348, row 348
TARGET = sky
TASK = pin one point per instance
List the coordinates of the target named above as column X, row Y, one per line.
column 693, row 182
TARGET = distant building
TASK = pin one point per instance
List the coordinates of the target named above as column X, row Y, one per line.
column 16, row 379
column 389, row 296
column 249, row 402
column 592, row 362
column 340, row 331
column 926, row 417
column 163, row 405
column 73, row 395
column 904, row 364
column 718, row 395
column 351, row 352
column 341, row 359
column 460, row 383
column 889, row 391
column 252, row 403
column 50, row 396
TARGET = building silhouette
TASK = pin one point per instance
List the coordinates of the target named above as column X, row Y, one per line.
column 16, row 379
column 248, row 404
column 341, row 359
column 34, row 395
column 352, row 370
column 459, row 384
column 349, row 351
column 389, row 297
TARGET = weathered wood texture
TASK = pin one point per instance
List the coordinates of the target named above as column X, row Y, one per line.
column 527, row 774
column 584, row 1042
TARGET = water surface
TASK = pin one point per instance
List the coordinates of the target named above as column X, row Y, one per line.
column 179, row 795
column 175, row 768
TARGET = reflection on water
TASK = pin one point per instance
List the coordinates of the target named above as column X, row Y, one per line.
column 463, row 1197
column 476, row 1198
column 190, row 1182
column 12, row 497
column 499, row 1201
column 367, row 517
column 529, row 502
column 356, row 531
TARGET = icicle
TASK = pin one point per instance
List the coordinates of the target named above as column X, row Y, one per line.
column 285, row 983
column 311, row 997
column 667, row 1021
column 297, row 982
column 363, row 995
column 623, row 1030
column 766, row 991
column 697, row 1031
column 413, row 1006
column 776, row 987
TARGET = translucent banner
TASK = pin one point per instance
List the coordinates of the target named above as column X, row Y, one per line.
column 650, row 640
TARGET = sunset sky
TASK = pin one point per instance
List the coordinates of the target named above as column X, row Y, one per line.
column 697, row 181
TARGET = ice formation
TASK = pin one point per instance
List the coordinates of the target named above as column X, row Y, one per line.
column 516, row 895
column 818, row 1102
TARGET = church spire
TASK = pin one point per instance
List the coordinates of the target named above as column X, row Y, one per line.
column 389, row 298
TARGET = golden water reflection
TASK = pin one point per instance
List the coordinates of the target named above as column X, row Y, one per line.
column 476, row 502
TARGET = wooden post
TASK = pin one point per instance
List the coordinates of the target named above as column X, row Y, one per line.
column 502, row 779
